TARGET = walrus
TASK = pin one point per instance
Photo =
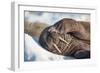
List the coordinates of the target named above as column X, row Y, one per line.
column 67, row 37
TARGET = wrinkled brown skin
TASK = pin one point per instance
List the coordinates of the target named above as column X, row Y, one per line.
column 78, row 30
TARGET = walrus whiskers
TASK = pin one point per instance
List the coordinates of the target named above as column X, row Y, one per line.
column 67, row 45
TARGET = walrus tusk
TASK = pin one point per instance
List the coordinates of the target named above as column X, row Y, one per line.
column 63, row 40
column 57, row 48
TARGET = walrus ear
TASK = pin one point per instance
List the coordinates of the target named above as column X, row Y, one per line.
column 81, row 54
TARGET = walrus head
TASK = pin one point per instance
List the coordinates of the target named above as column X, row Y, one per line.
column 66, row 37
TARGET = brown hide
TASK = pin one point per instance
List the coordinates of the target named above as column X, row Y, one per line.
column 67, row 37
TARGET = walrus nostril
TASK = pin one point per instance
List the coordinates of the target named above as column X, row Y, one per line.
column 82, row 54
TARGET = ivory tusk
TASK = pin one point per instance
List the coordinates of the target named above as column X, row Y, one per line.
column 63, row 40
column 57, row 48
